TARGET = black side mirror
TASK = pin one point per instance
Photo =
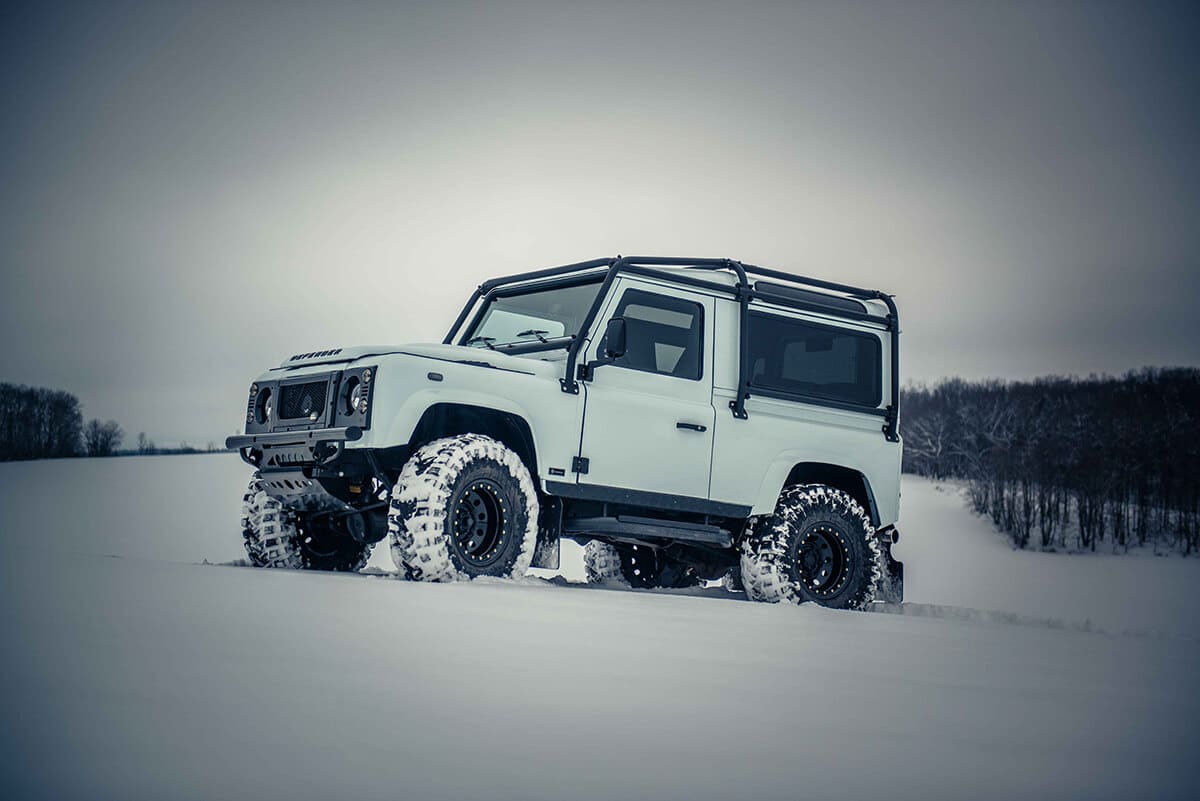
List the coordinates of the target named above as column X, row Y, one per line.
column 614, row 338
column 614, row 348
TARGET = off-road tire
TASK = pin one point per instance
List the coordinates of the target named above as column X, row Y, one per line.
column 274, row 537
column 634, row 566
column 602, row 563
column 819, row 545
column 732, row 580
column 463, row 507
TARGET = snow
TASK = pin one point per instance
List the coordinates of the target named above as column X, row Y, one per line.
column 133, row 670
column 954, row 557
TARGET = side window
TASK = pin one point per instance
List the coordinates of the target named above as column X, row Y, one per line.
column 802, row 358
column 662, row 334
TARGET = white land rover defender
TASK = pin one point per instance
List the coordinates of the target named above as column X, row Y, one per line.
column 686, row 419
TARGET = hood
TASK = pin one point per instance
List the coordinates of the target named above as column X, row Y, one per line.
column 548, row 367
column 534, row 364
column 332, row 355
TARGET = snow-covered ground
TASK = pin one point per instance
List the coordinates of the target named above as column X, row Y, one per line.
column 131, row 669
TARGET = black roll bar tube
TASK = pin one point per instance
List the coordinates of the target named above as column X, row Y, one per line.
column 549, row 272
column 629, row 264
column 488, row 286
column 743, row 293
column 891, row 425
column 462, row 315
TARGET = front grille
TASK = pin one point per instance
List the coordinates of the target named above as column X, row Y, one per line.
column 301, row 400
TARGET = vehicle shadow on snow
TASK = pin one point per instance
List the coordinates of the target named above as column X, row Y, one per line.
column 716, row 591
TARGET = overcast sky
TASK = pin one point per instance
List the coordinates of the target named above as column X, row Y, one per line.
column 191, row 194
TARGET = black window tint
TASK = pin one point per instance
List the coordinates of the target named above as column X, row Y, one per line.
column 802, row 358
column 662, row 334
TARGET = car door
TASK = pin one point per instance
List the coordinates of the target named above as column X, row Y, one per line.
column 648, row 415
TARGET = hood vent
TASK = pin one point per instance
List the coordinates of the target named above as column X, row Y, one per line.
column 316, row 354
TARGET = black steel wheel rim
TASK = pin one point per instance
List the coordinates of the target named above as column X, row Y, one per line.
column 315, row 545
column 479, row 519
column 823, row 561
column 641, row 566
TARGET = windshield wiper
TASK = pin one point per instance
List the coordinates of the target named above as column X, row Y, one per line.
column 485, row 340
column 534, row 332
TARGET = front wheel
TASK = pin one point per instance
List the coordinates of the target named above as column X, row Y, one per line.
column 818, row 546
column 463, row 507
column 276, row 537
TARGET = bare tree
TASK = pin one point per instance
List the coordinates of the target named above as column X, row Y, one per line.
column 927, row 441
column 38, row 423
column 102, row 439
column 1110, row 460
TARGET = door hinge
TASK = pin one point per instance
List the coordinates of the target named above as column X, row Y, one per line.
column 579, row 464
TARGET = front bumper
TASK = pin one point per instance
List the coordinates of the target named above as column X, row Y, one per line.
column 286, row 449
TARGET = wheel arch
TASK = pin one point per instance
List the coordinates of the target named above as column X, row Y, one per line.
column 853, row 482
column 447, row 419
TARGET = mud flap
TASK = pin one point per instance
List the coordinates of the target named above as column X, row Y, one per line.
column 891, row 583
column 546, row 552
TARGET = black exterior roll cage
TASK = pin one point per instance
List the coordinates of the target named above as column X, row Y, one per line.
column 605, row 271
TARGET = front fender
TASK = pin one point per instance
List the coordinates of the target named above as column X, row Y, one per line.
column 408, row 385
column 402, row 425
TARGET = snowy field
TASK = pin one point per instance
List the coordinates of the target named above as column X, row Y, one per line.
column 134, row 670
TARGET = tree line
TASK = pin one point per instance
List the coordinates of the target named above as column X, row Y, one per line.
column 39, row 423
column 1067, row 463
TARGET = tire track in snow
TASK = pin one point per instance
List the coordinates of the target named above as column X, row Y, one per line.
column 1012, row 618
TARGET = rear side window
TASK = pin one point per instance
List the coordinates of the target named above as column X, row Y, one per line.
column 662, row 334
column 795, row 357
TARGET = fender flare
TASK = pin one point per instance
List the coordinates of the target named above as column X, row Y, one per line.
column 807, row 467
column 418, row 406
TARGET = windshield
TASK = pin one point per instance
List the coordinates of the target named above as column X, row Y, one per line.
column 533, row 316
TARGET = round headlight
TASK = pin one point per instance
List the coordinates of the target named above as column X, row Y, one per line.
column 358, row 398
column 262, row 406
column 353, row 392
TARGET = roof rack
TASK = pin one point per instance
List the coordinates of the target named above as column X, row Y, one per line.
column 797, row 292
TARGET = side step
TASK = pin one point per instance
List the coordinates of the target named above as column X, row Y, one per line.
column 640, row 527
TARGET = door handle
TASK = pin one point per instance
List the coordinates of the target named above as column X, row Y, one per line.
column 691, row 426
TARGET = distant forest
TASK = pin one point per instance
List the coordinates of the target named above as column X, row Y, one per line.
column 37, row 423
column 1067, row 463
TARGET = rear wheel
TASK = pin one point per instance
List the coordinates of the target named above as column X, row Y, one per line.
column 602, row 563
column 277, row 537
column 463, row 507
column 819, row 546
column 634, row 566
column 732, row 580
